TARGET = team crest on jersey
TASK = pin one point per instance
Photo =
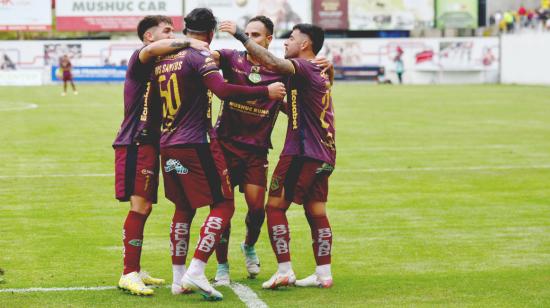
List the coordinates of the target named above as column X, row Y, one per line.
column 174, row 164
column 274, row 183
column 254, row 75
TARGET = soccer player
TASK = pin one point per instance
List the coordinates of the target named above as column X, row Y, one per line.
column 136, row 145
column 309, row 153
column 194, row 172
column 243, row 131
column 66, row 68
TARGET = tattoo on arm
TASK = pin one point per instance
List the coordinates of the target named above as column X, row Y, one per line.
column 269, row 60
column 180, row 44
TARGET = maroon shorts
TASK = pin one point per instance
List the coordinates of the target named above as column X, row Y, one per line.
column 195, row 175
column 303, row 179
column 67, row 76
column 136, row 172
column 247, row 164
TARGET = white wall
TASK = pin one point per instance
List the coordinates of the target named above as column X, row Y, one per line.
column 526, row 58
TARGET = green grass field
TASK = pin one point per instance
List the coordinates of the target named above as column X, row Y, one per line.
column 441, row 197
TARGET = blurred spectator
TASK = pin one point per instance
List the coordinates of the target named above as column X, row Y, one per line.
column 522, row 18
column 6, row 63
column 399, row 66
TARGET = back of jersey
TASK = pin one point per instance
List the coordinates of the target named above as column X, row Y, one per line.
column 184, row 97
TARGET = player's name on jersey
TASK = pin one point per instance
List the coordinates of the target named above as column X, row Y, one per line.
column 249, row 109
column 169, row 67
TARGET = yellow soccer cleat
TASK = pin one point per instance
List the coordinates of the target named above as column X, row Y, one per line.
column 132, row 283
column 148, row 280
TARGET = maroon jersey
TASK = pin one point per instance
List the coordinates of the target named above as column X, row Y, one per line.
column 185, row 98
column 249, row 122
column 141, row 117
column 310, row 131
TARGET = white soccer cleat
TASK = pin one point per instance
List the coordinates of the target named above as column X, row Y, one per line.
column 177, row 289
column 63, row 93
column 222, row 276
column 75, row 92
column 148, row 280
column 251, row 259
column 133, row 284
column 280, row 280
column 201, row 285
column 315, row 281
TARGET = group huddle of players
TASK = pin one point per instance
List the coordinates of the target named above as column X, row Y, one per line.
column 167, row 111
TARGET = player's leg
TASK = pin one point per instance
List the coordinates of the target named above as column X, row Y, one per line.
column 210, row 234
column 279, row 236
column 179, row 243
column 64, row 87
column 136, row 176
column 255, row 198
column 207, row 183
column 321, row 235
column 222, row 277
column 74, row 88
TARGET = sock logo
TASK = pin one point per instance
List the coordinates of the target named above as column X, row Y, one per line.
column 324, row 235
column 180, row 246
column 135, row 242
column 207, row 241
column 278, row 233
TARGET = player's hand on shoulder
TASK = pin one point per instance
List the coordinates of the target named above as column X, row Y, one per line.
column 276, row 90
column 322, row 62
column 228, row 26
column 199, row 45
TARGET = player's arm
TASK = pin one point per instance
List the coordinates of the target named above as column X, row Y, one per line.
column 225, row 91
column 266, row 58
column 167, row 46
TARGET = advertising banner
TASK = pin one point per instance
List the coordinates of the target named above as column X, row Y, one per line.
column 457, row 14
column 284, row 13
column 121, row 15
column 390, row 14
column 331, row 14
column 93, row 73
column 25, row 15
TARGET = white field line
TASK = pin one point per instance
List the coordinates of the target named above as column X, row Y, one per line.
column 28, row 290
column 247, row 296
column 338, row 170
column 460, row 168
column 24, row 106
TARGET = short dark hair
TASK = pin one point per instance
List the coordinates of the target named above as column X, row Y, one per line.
column 316, row 35
column 151, row 21
column 264, row 20
column 200, row 20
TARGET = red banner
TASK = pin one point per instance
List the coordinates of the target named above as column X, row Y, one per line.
column 331, row 14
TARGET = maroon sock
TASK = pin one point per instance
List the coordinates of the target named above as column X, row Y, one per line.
column 279, row 234
column 179, row 235
column 212, row 229
column 132, row 238
column 321, row 235
column 254, row 221
column 223, row 246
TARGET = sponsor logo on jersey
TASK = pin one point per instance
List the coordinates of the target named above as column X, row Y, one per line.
column 174, row 164
column 147, row 172
column 294, row 108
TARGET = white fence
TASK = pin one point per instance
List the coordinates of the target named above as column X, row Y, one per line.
column 426, row 60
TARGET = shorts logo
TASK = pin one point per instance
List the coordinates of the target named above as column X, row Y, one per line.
column 174, row 164
column 147, row 172
column 274, row 183
column 325, row 168
column 135, row 242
